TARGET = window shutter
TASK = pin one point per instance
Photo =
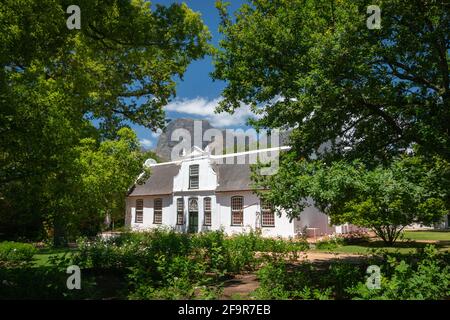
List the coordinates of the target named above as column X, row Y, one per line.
column 207, row 211
column 157, row 211
column 139, row 214
column 237, row 211
column 180, row 211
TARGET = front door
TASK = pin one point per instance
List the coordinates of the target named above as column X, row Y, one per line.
column 193, row 215
column 193, row 222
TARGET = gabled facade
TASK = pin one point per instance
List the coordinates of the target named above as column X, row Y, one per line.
column 197, row 194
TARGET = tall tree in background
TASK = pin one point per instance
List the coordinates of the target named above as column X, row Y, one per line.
column 314, row 66
column 106, row 171
column 119, row 67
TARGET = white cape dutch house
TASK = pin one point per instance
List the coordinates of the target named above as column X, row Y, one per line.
column 200, row 193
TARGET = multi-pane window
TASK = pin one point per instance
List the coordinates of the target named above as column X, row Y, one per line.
column 139, row 216
column 193, row 176
column 180, row 211
column 267, row 214
column 157, row 211
column 237, row 211
column 207, row 211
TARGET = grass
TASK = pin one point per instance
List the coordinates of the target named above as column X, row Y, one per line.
column 427, row 235
column 366, row 249
column 411, row 241
column 41, row 259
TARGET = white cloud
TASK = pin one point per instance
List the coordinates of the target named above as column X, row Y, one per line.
column 205, row 108
column 146, row 143
column 156, row 134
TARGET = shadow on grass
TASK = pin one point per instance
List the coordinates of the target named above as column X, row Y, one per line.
column 405, row 244
column 55, row 250
column 49, row 282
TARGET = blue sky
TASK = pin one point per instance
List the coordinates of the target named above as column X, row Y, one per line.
column 197, row 93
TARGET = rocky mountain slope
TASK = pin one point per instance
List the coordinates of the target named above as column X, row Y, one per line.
column 165, row 145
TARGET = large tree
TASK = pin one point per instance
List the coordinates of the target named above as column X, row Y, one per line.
column 120, row 67
column 315, row 66
column 384, row 199
column 350, row 92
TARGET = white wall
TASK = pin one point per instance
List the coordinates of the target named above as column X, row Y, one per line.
column 168, row 219
column 283, row 227
column 220, row 215
column 312, row 217
column 207, row 176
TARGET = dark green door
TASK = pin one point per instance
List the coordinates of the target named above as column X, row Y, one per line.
column 193, row 215
column 193, row 222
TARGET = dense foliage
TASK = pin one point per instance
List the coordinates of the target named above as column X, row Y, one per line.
column 163, row 264
column 348, row 93
column 384, row 198
column 428, row 277
column 64, row 95
column 170, row 265
column 16, row 252
column 425, row 275
column 315, row 66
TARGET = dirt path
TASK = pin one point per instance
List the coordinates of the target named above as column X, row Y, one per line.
column 327, row 256
column 242, row 285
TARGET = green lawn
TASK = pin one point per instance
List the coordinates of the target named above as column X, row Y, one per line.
column 410, row 242
column 427, row 235
column 43, row 255
column 366, row 249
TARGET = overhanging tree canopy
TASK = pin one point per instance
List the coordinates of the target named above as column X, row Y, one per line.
column 120, row 67
column 316, row 67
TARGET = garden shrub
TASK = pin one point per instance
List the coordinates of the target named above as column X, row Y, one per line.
column 333, row 242
column 278, row 280
column 163, row 264
column 330, row 243
column 355, row 237
column 340, row 275
column 166, row 264
column 426, row 276
column 16, row 252
column 240, row 252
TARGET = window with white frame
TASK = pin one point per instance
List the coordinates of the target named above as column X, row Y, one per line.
column 237, row 211
column 267, row 214
column 207, row 211
column 193, row 176
column 180, row 211
column 139, row 214
column 157, row 211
